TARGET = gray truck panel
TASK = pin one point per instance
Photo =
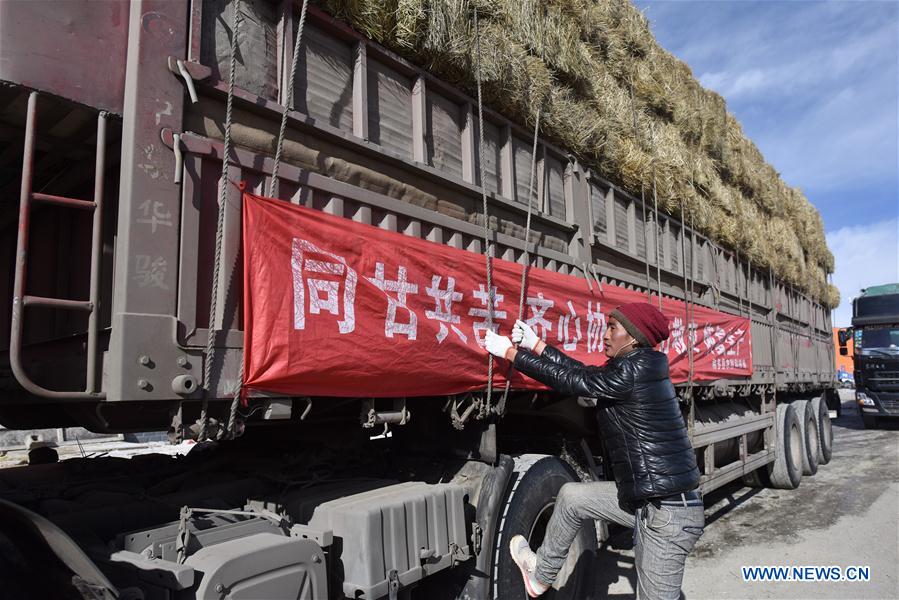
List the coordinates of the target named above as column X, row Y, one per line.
column 412, row 528
column 262, row 565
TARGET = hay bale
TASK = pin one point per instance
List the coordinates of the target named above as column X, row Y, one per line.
column 592, row 66
column 831, row 296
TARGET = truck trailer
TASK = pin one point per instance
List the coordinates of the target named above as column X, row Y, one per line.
column 124, row 280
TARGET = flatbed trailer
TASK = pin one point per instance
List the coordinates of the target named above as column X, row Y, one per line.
column 114, row 143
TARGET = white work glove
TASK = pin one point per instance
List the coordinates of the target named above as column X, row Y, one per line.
column 497, row 345
column 524, row 336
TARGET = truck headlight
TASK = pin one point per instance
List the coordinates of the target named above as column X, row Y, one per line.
column 863, row 399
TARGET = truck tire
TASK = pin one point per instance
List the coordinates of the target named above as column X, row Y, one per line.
column 834, row 402
column 536, row 480
column 825, row 430
column 808, row 424
column 786, row 470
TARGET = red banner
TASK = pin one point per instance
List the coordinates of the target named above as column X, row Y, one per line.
column 337, row 308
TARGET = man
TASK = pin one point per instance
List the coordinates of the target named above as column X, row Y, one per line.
column 644, row 434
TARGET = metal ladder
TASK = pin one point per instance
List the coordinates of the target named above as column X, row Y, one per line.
column 21, row 299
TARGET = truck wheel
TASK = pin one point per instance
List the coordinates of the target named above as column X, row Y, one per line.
column 536, row 480
column 825, row 430
column 808, row 424
column 834, row 402
column 869, row 422
column 786, row 470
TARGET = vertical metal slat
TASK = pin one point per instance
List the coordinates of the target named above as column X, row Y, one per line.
column 96, row 248
column 18, row 306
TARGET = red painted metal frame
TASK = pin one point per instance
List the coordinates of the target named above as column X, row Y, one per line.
column 21, row 299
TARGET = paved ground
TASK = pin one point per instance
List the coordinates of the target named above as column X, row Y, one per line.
column 846, row 515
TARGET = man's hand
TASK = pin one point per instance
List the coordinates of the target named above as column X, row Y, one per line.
column 524, row 336
column 498, row 345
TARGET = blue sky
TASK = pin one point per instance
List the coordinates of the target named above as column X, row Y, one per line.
column 816, row 87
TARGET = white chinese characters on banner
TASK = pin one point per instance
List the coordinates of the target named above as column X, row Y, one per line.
column 596, row 327
column 479, row 327
column 322, row 287
column 443, row 311
column 569, row 342
column 325, row 284
column 538, row 306
column 402, row 288
column 734, row 341
column 708, row 336
column 715, row 341
column 725, row 364
column 694, row 337
column 676, row 338
column 713, row 338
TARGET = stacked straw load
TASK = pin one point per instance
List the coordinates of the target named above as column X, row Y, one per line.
column 591, row 65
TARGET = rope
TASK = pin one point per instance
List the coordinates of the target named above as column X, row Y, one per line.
column 273, row 184
column 655, row 204
column 532, row 193
column 692, row 295
column 231, row 428
column 749, row 294
column 219, row 230
column 687, row 298
column 485, row 408
column 794, row 331
column 716, row 287
column 532, row 197
column 642, row 196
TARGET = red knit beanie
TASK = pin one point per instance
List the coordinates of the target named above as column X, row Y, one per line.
column 644, row 322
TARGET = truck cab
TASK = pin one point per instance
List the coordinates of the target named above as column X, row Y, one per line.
column 875, row 333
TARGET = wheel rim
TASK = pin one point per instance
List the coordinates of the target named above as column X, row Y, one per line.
column 538, row 532
column 538, row 529
column 796, row 446
column 535, row 540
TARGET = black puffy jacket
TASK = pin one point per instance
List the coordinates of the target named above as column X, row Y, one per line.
column 639, row 419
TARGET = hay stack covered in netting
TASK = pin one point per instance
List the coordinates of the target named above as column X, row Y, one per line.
column 592, row 66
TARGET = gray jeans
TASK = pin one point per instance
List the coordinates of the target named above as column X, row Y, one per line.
column 663, row 537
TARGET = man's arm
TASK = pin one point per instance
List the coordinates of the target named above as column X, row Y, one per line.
column 553, row 354
column 525, row 336
column 613, row 381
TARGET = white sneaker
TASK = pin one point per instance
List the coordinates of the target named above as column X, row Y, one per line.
column 526, row 559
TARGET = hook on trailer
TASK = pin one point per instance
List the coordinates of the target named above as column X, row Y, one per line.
column 306, row 410
column 179, row 157
column 456, row 402
column 597, row 278
column 587, row 275
column 188, row 81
